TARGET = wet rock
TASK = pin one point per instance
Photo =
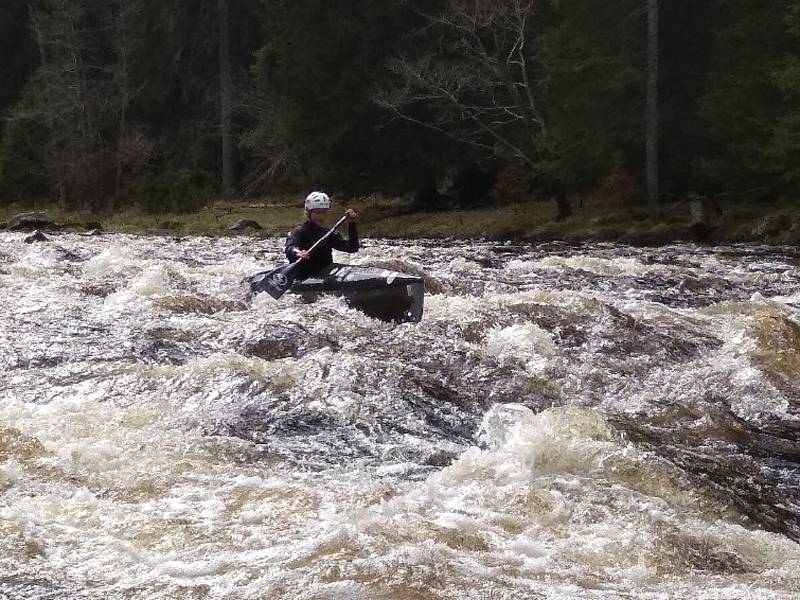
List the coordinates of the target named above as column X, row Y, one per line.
column 676, row 553
column 36, row 236
column 691, row 284
column 440, row 458
column 777, row 351
column 277, row 341
column 735, row 462
column 30, row 222
column 753, row 488
column 564, row 325
column 197, row 304
column 16, row 445
column 245, row 225
column 626, row 337
column 165, row 345
column 101, row 290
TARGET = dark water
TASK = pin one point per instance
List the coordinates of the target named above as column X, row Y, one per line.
column 566, row 422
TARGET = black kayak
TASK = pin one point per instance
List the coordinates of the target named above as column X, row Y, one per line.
column 379, row 293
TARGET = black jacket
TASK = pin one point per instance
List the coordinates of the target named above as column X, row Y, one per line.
column 306, row 235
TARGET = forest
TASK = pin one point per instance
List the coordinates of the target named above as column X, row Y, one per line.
column 165, row 104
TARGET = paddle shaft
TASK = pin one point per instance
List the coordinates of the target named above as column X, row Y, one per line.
column 277, row 281
column 326, row 236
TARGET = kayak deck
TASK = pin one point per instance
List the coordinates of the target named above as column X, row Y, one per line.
column 379, row 293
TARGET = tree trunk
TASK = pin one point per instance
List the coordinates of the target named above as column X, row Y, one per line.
column 226, row 94
column 652, row 104
column 562, row 203
column 122, row 41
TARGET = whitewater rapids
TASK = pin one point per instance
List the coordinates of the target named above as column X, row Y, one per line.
column 566, row 422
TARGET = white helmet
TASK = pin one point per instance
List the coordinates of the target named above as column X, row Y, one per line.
column 317, row 200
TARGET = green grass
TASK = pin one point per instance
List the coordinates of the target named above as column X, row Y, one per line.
column 593, row 220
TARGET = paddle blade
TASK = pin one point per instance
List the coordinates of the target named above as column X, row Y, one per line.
column 276, row 282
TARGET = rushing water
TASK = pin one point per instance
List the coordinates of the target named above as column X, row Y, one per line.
column 566, row 422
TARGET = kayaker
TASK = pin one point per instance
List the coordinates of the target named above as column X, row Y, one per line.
column 317, row 207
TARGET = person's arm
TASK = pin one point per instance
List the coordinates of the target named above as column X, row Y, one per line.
column 295, row 244
column 350, row 244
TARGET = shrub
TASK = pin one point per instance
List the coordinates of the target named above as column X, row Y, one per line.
column 175, row 191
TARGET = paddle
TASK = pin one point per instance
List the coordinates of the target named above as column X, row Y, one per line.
column 278, row 281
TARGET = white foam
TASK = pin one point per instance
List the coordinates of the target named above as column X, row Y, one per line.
column 599, row 266
column 524, row 343
column 460, row 264
column 114, row 260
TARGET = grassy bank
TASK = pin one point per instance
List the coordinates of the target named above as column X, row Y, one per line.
column 773, row 223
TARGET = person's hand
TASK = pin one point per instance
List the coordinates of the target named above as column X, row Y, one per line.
column 303, row 254
column 352, row 216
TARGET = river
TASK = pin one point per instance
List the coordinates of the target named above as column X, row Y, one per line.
column 566, row 422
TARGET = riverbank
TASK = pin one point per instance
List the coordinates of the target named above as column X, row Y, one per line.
column 767, row 223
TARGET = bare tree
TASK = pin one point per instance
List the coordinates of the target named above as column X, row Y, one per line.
column 63, row 97
column 133, row 148
column 272, row 152
column 79, row 98
column 477, row 86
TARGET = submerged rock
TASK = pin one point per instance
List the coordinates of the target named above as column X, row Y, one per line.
column 197, row 304
column 777, row 351
column 165, row 345
column 286, row 340
column 16, row 445
column 679, row 552
column 36, row 236
column 737, row 463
